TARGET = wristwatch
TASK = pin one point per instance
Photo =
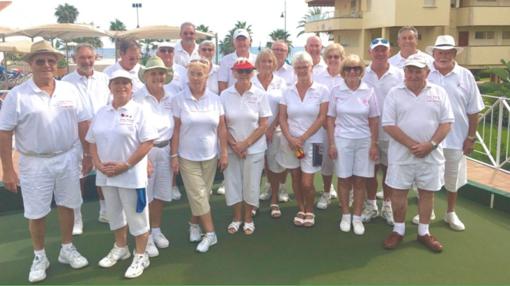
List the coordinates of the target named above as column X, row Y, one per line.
column 434, row 144
column 472, row 138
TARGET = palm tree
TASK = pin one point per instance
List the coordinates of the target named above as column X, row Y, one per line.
column 205, row 29
column 280, row 34
column 117, row 25
column 66, row 13
column 227, row 45
column 314, row 11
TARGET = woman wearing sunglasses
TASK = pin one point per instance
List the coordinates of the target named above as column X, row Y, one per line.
column 247, row 114
column 353, row 119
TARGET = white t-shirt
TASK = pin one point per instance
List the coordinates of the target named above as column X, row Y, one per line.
column 137, row 84
column 94, row 89
column 181, row 57
column 198, row 136
column 399, row 61
column 180, row 76
column 161, row 112
column 225, row 72
column 464, row 98
column 274, row 93
column 117, row 134
column 287, row 73
column 391, row 78
column 351, row 110
column 326, row 79
column 43, row 124
column 418, row 117
column 301, row 114
column 242, row 114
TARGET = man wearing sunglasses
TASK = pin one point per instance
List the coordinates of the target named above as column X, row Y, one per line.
column 166, row 51
column 408, row 41
column 49, row 121
column 186, row 48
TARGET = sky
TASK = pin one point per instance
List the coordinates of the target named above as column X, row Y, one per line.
column 220, row 15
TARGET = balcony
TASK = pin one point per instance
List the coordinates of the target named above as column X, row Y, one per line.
column 483, row 16
column 476, row 57
column 322, row 3
column 326, row 22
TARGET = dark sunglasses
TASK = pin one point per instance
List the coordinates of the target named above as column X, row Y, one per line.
column 336, row 57
column 245, row 71
column 42, row 62
column 207, row 49
column 348, row 69
column 166, row 50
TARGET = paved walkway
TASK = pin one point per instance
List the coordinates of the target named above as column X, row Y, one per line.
column 488, row 176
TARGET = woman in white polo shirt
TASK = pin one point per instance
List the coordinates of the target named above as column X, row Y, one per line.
column 353, row 120
column 199, row 126
column 159, row 102
column 246, row 114
column 303, row 111
column 120, row 136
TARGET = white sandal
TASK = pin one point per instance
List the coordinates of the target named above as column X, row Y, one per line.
column 309, row 220
column 298, row 219
column 233, row 227
column 275, row 211
column 249, row 228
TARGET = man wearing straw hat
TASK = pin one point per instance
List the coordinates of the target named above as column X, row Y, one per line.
column 49, row 121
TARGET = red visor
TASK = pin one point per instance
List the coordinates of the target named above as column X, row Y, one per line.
column 245, row 65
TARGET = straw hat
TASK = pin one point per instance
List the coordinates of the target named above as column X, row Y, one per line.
column 155, row 63
column 42, row 47
column 444, row 42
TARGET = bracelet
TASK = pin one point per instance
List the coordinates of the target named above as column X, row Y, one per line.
column 87, row 155
column 174, row 155
column 129, row 165
column 472, row 138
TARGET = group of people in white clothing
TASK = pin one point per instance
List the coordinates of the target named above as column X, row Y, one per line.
column 413, row 117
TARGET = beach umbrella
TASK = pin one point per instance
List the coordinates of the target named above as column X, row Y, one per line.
column 4, row 31
column 64, row 32
column 20, row 47
column 156, row 32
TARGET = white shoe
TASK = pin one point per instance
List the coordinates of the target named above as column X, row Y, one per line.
column 151, row 248
column 416, row 218
column 221, row 189
column 283, row 196
column 176, row 194
column 160, row 240
column 379, row 195
column 140, row 262
column 195, row 233
column 78, row 227
column 369, row 212
column 345, row 225
column 72, row 257
column 115, row 254
column 264, row 196
column 102, row 217
column 324, row 201
column 208, row 240
column 333, row 192
column 455, row 223
column 387, row 214
column 358, row 227
column 38, row 268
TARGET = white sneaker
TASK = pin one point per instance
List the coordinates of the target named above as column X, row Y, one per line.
column 208, row 240
column 151, row 248
column 283, row 196
column 102, row 217
column 176, row 194
column 195, row 233
column 333, row 193
column 345, row 225
column 369, row 212
column 358, row 227
column 140, row 262
column 416, row 218
column 324, row 201
column 78, row 227
column 72, row 257
column 387, row 214
column 115, row 254
column 455, row 223
column 160, row 240
column 38, row 268
column 379, row 195
column 264, row 196
column 221, row 189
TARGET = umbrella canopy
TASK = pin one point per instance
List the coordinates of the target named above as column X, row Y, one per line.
column 156, row 32
column 21, row 47
column 62, row 31
column 5, row 30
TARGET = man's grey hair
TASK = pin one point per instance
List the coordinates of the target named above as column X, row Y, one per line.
column 185, row 24
column 83, row 46
column 408, row 28
column 208, row 43
column 126, row 44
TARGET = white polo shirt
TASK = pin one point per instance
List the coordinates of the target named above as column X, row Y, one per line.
column 274, row 93
column 320, row 67
column 326, row 79
column 117, row 134
column 391, row 78
column 137, row 84
column 180, row 75
column 94, row 89
column 399, row 61
column 181, row 56
column 302, row 113
column 212, row 80
column 161, row 112
column 287, row 73
column 242, row 114
column 225, row 72
column 43, row 124
column 198, row 136
column 464, row 98
column 418, row 117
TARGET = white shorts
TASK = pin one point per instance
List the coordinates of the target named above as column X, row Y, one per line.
column 455, row 174
column 273, row 149
column 383, row 152
column 160, row 183
column 41, row 179
column 353, row 158
column 328, row 165
column 427, row 177
column 121, row 210
column 287, row 158
column 242, row 179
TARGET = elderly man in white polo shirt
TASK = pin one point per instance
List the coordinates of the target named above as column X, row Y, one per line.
column 314, row 48
column 93, row 87
column 283, row 69
column 466, row 103
column 129, row 51
column 186, row 48
column 417, row 116
column 49, row 121
column 408, row 41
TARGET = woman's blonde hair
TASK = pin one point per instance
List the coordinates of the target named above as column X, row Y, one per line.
column 266, row 53
column 334, row 47
column 353, row 60
column 201, row 63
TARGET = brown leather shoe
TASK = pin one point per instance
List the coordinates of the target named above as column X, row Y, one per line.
column 430, row 242
column 393, row 240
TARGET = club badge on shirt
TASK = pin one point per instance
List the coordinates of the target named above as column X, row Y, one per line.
column 65, row 104
column 126, row 119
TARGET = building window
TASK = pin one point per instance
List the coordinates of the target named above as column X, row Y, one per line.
column 506, row 35
column 484, row 35
column 429, row 3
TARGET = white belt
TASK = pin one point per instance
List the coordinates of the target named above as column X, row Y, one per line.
column 44, row 155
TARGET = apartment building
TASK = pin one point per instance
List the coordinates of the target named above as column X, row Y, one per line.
column 482, row 27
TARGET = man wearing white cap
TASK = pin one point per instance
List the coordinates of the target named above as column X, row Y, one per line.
column 417, row 116
column 242, row 44
column 408, row 41
column 381, row 76
column 129, row 51
column 466, row 104
column 186, row 48
column 93, row 87
column 49, row 121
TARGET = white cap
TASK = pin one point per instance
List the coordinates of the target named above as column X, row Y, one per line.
column 241, row 32
column 121, row 73
column 166, row 45
column 416, row 60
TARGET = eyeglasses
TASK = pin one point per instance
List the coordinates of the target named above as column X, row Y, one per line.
column 42, row 62
column 349, row 69
column 244, row 71
column 207, row 49
column 279, row 50
column 379, row 41
column 336, row 57
column 166, row 50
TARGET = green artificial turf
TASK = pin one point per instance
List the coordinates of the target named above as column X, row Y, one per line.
column 278, row 252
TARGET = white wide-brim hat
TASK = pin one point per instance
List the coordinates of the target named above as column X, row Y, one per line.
column 444, row 42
